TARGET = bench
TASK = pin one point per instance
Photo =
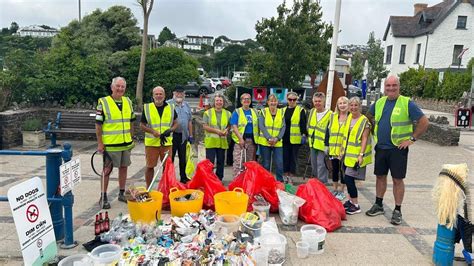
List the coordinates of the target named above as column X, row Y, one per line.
column 71, row 123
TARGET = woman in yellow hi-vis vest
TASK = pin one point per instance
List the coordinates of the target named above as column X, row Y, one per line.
column 338, row 127
column 295, row 135
column 159, row 120
column 317, row 132
column 271, row 123
column 358, row 153
column 216, row 127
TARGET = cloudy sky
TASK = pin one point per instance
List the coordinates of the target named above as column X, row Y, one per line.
column 234, row 18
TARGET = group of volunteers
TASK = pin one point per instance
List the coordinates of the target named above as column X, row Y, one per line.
column 346, row 137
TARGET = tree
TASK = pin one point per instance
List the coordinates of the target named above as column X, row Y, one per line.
column 297, row 39
column 261, row 66
column 375, row 52
column 13, row 27
column 147, row 6
column 165, row 35
column 233, row 57
column 357, row 67
column 206, row 62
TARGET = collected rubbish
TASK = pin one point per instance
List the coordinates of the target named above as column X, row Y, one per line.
column 261, row 207
column 137, row 194
column 189, row 196
column 186, row 240
column 251, row 224
column 289, row 207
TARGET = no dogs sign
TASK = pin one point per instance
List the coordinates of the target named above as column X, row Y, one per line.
column 33, row 221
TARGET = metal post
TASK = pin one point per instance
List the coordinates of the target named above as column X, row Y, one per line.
column 68, row 202
column 53, row 161
column 332, row 59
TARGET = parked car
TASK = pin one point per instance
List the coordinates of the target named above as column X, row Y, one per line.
column 201, row 87
column 225, row 82
column 218, row 84
column 354, row 91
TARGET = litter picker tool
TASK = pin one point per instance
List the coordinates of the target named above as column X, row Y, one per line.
column 160, row 169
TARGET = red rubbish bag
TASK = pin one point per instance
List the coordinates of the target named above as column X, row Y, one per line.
column 256, row 180
column 168, row 181
column 321, row 206
column 205, row 179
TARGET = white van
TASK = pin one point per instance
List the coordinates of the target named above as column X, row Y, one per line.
column 239, row 76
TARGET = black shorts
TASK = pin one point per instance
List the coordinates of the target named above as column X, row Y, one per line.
column 394, row 160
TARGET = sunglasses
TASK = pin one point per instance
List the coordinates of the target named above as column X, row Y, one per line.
column 292, row 100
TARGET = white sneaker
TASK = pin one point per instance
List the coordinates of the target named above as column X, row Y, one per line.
column 340, row 196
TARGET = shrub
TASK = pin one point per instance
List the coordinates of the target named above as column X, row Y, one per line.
column 32, row 124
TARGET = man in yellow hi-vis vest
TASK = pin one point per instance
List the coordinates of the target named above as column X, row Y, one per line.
column 394, row 115
column 159, row 120
column 114, row 131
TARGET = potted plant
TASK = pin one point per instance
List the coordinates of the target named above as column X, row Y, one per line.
column 33, row 135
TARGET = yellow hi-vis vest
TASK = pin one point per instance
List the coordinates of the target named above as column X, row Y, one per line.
column 353, row 144
column 295, row 132
column 242, row 123
column 116, row 126
column 338, row 134
column 158, row 123
column 317, row 129
column 273, row 126
column 402, row 126
column 212, row 140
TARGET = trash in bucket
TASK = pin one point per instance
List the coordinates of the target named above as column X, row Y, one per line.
column 276, row 244
column 231, row 202
column 106, row 254
column 76, row 260
column 144, row 206
column 251, row 224
column 179, row 206
column 227, row 223
column 315, row 236
column 261, row 207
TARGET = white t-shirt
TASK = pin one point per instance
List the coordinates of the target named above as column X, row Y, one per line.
column 320, row 116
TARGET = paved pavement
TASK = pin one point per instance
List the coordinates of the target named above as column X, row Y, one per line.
column 361, row 240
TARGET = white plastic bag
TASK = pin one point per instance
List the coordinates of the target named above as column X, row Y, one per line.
column 289, row 207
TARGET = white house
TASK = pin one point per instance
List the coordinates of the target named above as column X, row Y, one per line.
column 173, row 43
column 36, row 31
column 191, row 46
column 199, row 39
column 437, row 37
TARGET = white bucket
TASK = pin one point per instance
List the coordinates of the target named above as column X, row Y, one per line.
column 315, row 236
column 76, row 260
column 274, row 241
column 107, row 254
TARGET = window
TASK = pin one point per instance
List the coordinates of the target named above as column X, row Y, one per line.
column 388, row 56
column 418, row 51
column 403, row 49
column 461, row 22
column 456, row 51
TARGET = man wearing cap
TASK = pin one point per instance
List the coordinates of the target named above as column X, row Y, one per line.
column 184, row 132
column 158, row 121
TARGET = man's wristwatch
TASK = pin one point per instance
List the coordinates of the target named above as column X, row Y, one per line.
column 412, row 139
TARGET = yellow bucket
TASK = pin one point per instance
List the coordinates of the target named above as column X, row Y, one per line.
column 146, row 212
column 231, row 202
column 179, row 208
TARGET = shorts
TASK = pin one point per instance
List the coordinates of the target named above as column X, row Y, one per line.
column 394, row 160
column 119, row 158
column 152, row 154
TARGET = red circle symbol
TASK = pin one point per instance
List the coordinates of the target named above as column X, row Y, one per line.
column 32, row 213
column 39, row 243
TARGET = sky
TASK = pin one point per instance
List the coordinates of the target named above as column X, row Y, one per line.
column 235, row 19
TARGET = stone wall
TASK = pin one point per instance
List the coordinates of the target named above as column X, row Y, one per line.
column 437, row 105
column 441, row 133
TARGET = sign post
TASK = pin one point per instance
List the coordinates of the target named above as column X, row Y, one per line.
column 33, row 221
column 70, row 175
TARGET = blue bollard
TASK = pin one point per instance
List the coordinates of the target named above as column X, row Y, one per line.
column 53, row 161
column 443, row 250
column 68, row 202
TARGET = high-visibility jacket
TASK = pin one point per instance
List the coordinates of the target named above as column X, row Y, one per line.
column 353, row 144
column 295, row 131
column 116, row 134
column 242, row 123
column 273, row 126
column 160, row 124
column 402, row 126
column 317, row 129
column 338, row 134
column 212, row 140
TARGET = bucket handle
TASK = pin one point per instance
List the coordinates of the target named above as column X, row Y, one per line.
column 173, row 189
column 238, row 189
column 156, row 215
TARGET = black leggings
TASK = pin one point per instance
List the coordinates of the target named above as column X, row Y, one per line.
column 337, row 171
column 351, row 186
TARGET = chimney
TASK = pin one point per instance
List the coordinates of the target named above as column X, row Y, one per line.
column 419, row 7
